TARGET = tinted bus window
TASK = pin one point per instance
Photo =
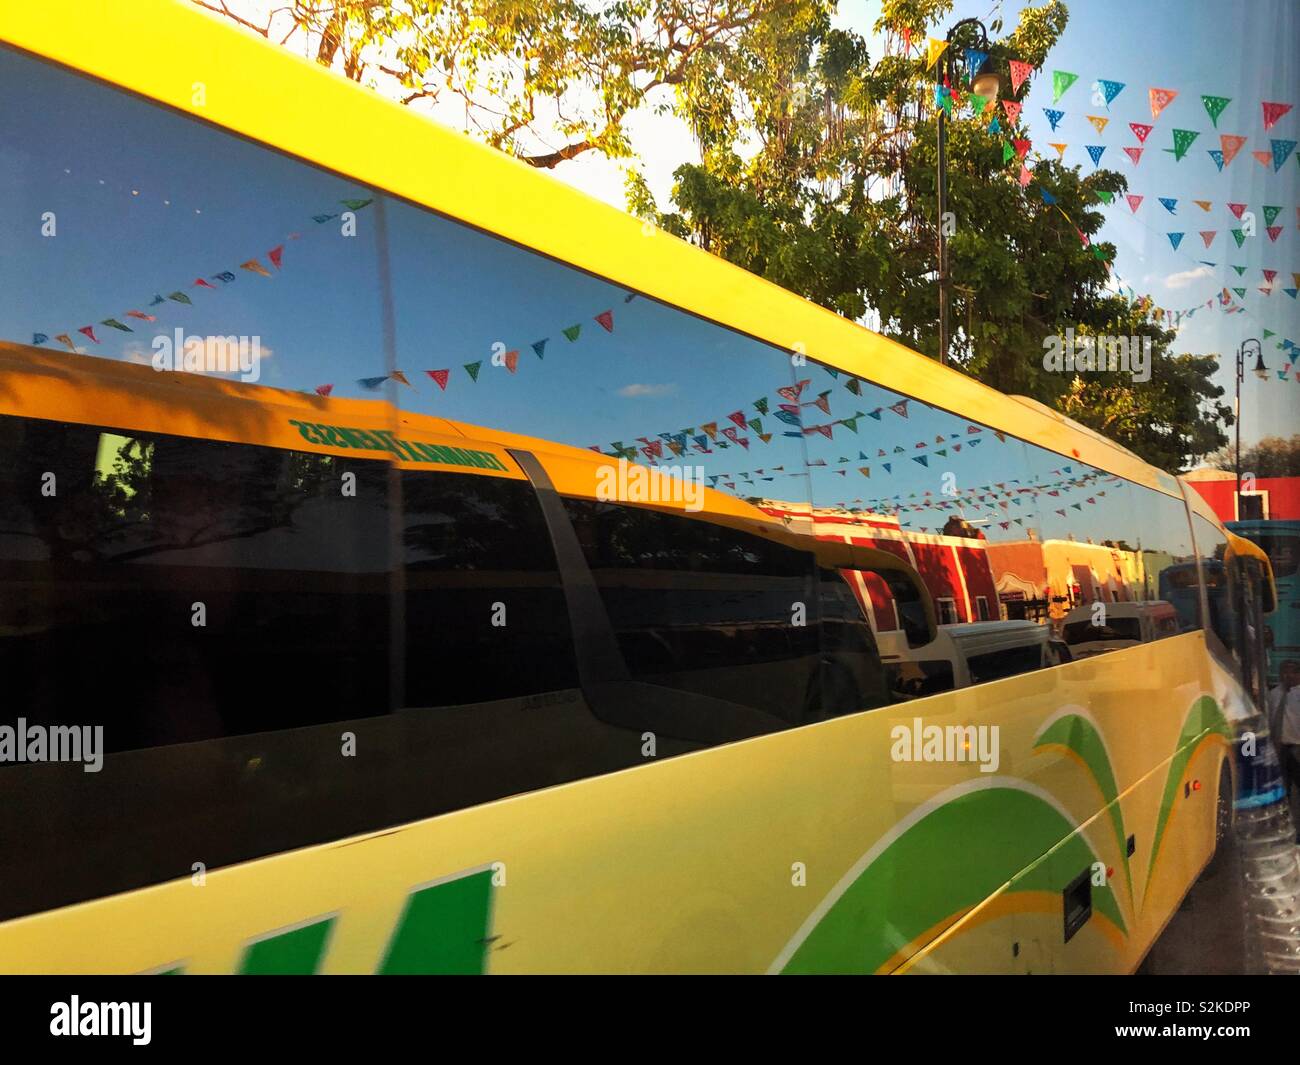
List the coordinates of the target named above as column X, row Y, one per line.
column 706, row 608
column 202, row 589
column 482, row 589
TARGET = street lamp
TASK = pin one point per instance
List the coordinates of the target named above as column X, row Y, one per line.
column 1261, row 371
column 984, row 82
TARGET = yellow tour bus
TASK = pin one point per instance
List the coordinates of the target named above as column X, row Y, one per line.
column 382, row 587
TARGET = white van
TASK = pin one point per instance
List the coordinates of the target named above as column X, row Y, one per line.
column 973, row 652
column 1123, row 625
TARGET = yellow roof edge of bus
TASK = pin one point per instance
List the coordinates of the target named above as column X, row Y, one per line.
column 161, row 48
column 1240, row 545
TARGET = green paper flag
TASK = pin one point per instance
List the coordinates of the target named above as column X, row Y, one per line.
column 978, row 103
column 473, row 368
column 1061, row 81
column 1104, row 196
column 1182, row 141
column 1239, row 237
column 1007, row 151
column 1270, row 213
column 572, row 332
column 117, row 325
column 1214, row 105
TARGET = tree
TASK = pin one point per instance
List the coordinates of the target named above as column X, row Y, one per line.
column 545, row 80
column 839, row 204
column 1273, row 456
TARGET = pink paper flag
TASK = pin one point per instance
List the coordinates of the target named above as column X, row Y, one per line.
column 1134, row 202
column 1019, row 72
column 1135, row 154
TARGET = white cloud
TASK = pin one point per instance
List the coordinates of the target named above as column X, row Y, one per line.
column 1188, row 277
column 653, row 391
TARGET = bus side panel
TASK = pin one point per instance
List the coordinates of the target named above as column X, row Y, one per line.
column 817, row 849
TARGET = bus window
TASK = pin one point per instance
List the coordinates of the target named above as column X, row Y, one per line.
column 1283, row 550
column 203, row 588
column 704, row 608
column 1007, row 662
column 481, row 588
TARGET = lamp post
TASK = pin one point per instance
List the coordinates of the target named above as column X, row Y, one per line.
column 984, row 83
column 1261, row 371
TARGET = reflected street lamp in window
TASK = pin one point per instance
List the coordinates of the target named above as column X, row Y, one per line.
column 1261, row 371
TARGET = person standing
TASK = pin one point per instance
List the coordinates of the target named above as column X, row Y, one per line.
column 1284, row 722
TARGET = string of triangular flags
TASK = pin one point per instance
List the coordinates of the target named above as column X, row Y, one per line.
column 180, row 296
column 509, row 359
column 1230, row 145
column 789, row 406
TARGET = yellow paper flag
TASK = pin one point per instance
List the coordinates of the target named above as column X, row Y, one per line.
column 933, row 50
column 1098, row 122
column 1060, row 150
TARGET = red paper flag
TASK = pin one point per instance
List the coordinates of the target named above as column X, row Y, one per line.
column 1272, row 112
column 1140, row 131
column 1135, row 154
column 275, row 255
column 1012, row 109
column 606, row 319
column 200, row 283
column 1022, row 147
column 1134, row 202
column 324, row 390
column 1236, row 208
column 89, row 330
column 440, row 376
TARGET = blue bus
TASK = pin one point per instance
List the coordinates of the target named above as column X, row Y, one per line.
column 1280, row 540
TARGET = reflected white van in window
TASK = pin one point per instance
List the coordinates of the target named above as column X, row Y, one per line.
column 1122, row 625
